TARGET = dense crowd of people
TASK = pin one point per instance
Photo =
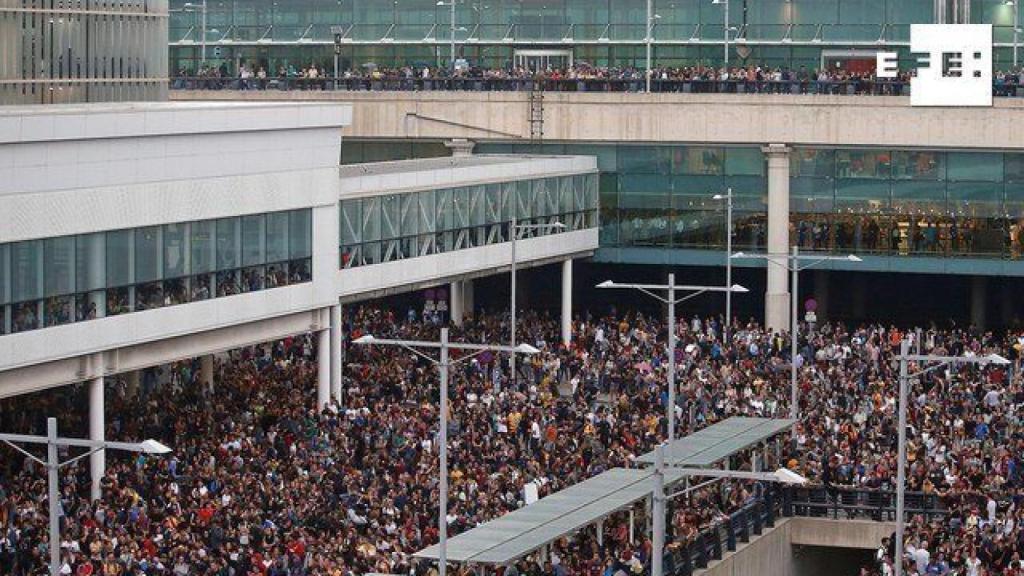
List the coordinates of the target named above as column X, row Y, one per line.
column 261, row 483
column 749, row 78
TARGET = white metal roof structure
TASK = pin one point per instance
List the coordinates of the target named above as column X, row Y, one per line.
column 719, row 441
column 516, row 534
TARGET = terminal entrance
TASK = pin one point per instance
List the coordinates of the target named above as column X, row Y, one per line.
column 541, row 59
column 850, row 61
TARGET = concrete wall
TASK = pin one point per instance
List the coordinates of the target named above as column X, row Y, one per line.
column 712, row 118
column 804, row 547
column 863, row 534
column 768, row 555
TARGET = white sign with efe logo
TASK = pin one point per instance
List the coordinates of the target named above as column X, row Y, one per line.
column 956, row 68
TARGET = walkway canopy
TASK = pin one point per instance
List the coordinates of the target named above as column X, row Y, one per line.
column 517, row 534
column 719, row 441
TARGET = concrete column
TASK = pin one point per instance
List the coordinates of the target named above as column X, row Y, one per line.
column 323, row 368
column 336, row 352
column 132, row 380
column 821, row 293
column 468, row 300
column 978, row 301
column 456, row 308
column 206, row 374
column 567, row 302
column 98, row 460
column 460, row 147
column 776, row 300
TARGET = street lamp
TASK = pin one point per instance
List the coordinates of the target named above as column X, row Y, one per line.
column 514, row 231
column 201, row 8
column 792, row 263
column 53, row 464
column 1016, row 27
column 451, row 31
column 901, row 467
column 444, row 346
column 725, row 4
column 659, row 499
column 670, row 300
column 651, row 17
column 728, row 260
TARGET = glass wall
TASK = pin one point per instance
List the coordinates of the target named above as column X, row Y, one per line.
column 77, row 278
column 907, row 202
column 663, row 196
column 393, row 227
column 278, row 35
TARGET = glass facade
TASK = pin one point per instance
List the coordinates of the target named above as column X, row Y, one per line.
column 56, row 281
column 392, row 227
column 901, row 202
column 60, row 51
column 661, row 195
column 792, row 33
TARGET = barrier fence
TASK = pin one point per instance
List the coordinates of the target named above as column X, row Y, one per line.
column 484, row 84
column 776, row 502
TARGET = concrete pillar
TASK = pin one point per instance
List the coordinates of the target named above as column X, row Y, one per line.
column 206, row 374
column 460, row 147
column 978, row 301
column 336, row 352
column 468, row 299
column 567, row 302
column 776, row 300
column 132, row 381
column 455, row 293
column 98, row 460
column 323, row 368
column 821, row 293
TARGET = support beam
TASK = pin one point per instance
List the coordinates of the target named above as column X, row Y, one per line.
column 97, row 424
column 323, row 368
column 567, row 302
column 456, row 305
column 460, row 147
column 133, row 382
column 776, row 304
column 979, row 286
column 206, row 378
column 336, row 358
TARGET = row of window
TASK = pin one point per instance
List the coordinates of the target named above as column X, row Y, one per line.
column 398, row 226
column 590, row 16
column 67, row 279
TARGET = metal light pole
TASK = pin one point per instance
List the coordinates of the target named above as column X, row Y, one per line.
column 443, row 363
column 514, row 229
column 451, row 31
column 725, row 5
column 1016, row 28
column 792, row 263
column 651, row 17
column 670, row 301
column 659, row 498
column 728, row 261
column 53, row 464
column 904, row 385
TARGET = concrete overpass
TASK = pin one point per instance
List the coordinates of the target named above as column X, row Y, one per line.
column 794, row 120
column 775, row 123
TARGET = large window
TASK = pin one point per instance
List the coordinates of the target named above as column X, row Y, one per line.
column 78, row 278
column 907, row 202
column 393, row 227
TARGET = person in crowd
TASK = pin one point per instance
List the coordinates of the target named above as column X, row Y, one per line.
column 260, row 482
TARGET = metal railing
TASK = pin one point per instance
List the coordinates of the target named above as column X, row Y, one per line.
column 775, row 502
column 485, row 84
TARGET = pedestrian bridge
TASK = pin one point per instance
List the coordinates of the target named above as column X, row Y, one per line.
column 137, row 235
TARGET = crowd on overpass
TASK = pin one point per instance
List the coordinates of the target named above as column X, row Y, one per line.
column 261, row 483
column 747, row 78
